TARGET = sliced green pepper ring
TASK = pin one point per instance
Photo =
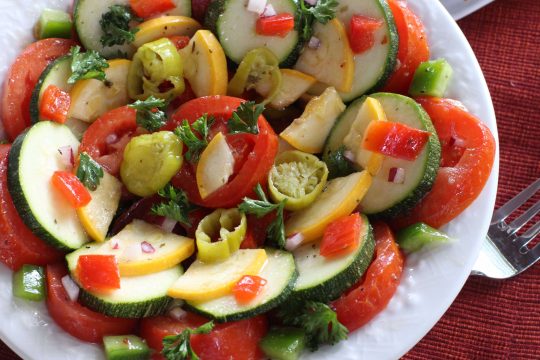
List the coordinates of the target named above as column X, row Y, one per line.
column 219, row 234
column 298, row 177
column 157, row 70
column 259, row 65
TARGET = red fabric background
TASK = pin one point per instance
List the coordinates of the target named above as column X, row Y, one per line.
column 496, row 319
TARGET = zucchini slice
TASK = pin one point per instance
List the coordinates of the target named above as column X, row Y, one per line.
column 324, row 279
column 234, row 26
column 280, row 273
column 138, row 296
column 33, row 159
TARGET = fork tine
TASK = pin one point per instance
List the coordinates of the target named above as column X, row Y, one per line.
column 523, row 218
column 528, row 235
column 518, row 200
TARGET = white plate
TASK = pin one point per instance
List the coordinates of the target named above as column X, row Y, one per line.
column 431, row 279
column 461, row 8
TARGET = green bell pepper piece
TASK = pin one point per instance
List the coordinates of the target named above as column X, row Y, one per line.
column 29, row 283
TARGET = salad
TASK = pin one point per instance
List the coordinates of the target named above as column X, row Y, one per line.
column 188, row 225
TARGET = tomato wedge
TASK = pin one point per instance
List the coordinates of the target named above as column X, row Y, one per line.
column 76, row 319
column 468, row 153
column 253, row 154
column 237, row 340
column 107, row 137
column 18, row 245
column 373, row 292
column 23, row 77
column 413, row 47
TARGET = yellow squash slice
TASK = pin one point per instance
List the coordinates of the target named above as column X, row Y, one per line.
column 371, row 110
column 165, row 26
column 205, row 65
column 96, row 217
column 294, row 84
column 308, row 132
column 92, row 98
column 206, row 281
column 332, row 61
column 215, row 166
column 339, row 199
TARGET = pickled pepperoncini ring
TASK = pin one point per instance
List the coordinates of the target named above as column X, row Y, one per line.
column 157, row 70
column 228, row 227
column 297, row 177
column 259, row 65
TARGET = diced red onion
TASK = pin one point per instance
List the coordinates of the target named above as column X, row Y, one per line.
column 269, row 11
column 349, row 155
column 66, row 155
column 147, row 248
column 256, row 6
column 396, row 175
column 311, row 2
column 114, row 243
column 314, row 43
column 111, row 138
column 132, row 252
column 177, row 313
column 71, row 288
column 294, row 241
column 168, row 224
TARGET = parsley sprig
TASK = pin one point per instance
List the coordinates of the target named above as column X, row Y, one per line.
column 149, row 113
column 262, row 207
column 86, row 65
column 245, row 118
column 195, row 143
column 178, row 347
column 318, row 320
column 115, row 26
column 89, row 171
column 177, row 207
column 323, row 12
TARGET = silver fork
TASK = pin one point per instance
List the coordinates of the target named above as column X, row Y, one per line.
column 505, row 254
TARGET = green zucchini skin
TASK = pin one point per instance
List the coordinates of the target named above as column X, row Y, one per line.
column 251, row 311
column 332, row 287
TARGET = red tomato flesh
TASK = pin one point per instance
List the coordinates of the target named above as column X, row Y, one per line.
column 22, row 79
column 247, row 288
column 238, row 340
column 71, row 188
column 468, row 153
column 395, row 140
column 413, row 48
column 276, row 25
column 77, row 320
column 54, row 104
column 361, row 33
column 341, row 236
column 373, row 292
column 148, row 8
column 98, row 273
column 18, row 245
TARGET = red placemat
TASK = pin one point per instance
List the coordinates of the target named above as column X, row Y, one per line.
column 496, row 319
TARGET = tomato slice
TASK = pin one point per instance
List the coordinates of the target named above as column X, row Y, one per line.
column 341, row 236
column 237, row 340
column 76, row 319
column 107, row 137
column 54, row 105
column 98, row 272
column 71, row 188
column 18, row 245
column 413, row 48
column 373, row 292
column 254, row 154
column 468, row 153
column 276, row 25
column 247, row 288
column 395, row 140
column 362, row 33
column 148, row 8
column 23, row 77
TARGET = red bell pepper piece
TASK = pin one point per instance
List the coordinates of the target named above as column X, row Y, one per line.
column 98, row 273
column 71, row 188
column 362, row 33
column 341, row 236
column 395, row 139
column 276, row 25
column 148, row 8
column 54, row 104
column 247, row 288
column 180, row 41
